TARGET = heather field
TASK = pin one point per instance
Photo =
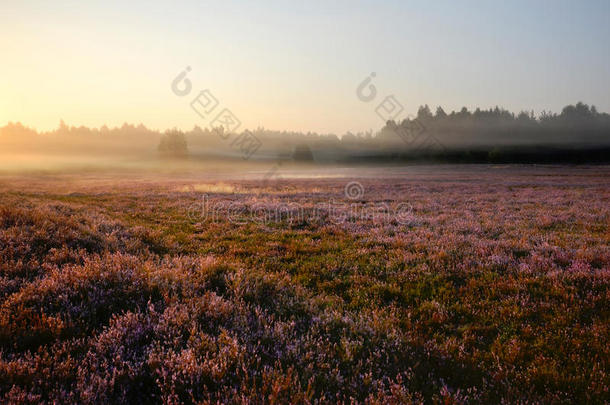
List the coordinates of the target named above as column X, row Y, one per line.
column 445, row 284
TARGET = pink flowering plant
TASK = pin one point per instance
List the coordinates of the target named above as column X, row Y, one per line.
column 494, row 291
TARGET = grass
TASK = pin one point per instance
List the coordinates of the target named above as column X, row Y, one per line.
column 495, row 290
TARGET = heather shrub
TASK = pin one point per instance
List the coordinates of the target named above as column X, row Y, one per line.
column 495, row 292
column 37, row 239
column 72, row 301
column 115, row 369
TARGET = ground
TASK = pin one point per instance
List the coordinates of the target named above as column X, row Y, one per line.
column 436, row 284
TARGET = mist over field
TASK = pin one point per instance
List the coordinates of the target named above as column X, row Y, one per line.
column 578, row 134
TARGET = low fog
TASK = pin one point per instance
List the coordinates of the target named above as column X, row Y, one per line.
column 579, row 134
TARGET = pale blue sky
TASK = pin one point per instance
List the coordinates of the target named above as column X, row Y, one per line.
column 296, row 65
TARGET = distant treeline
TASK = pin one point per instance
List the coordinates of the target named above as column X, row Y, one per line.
column 579, row 134
column 578, row 123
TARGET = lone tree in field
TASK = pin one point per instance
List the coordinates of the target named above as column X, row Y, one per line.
column 173, row 144
column 302, row 153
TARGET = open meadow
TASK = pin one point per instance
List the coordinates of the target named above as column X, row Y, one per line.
column 441, row 284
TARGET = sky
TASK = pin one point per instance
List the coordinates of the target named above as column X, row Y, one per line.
column 295, row 65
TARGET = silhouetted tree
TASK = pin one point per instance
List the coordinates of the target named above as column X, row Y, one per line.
column 302, row 153
column 440, row 113
column 173, row 143
column 424, row 113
